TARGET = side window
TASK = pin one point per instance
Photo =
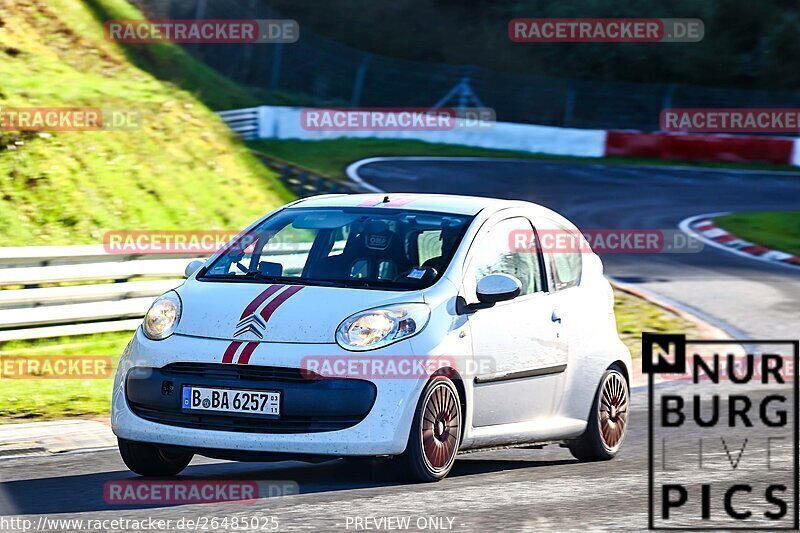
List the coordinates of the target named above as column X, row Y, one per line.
column 567, row 265
column 498, row 254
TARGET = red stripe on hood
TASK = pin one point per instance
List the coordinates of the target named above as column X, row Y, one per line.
column 247, row 352
column 260, row 299
column 231, row 351
column 276, row 302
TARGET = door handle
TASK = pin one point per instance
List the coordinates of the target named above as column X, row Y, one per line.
column 555, row 317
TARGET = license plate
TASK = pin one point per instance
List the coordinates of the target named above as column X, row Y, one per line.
column 232, row 400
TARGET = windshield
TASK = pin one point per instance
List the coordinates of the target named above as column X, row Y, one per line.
column 347, row 247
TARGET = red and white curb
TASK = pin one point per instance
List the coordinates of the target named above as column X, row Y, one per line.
column 704, row 228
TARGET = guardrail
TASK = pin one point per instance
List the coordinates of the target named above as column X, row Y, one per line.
column 30, row 256
column 52, row 291
column 304, row 182
column 74, row 290
column 242, row 121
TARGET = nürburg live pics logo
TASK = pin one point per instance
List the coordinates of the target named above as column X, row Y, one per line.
column 723, row 433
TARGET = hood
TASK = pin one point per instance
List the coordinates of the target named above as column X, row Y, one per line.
column 254, row 312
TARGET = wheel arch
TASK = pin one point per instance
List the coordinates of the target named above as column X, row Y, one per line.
column 623, row 369
column 453, row 375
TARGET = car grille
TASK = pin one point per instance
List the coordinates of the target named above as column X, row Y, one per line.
column 245, row 424
column 238, row 372
column 311, row 404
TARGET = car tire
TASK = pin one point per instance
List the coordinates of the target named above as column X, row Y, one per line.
column 435, row 433
column 151, row 460
column 608, row 420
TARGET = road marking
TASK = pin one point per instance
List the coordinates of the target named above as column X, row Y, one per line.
column 686, row 224
column 353, row 168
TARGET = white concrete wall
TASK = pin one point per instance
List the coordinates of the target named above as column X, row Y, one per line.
column 284, row 123
column 796, row 153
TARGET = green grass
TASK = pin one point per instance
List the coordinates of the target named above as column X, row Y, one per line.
column 182, row 169
column 635, row 315
column 779, row 230
column 25, row 400
column 331, row 157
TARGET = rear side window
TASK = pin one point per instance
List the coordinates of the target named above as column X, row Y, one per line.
column 566, row 265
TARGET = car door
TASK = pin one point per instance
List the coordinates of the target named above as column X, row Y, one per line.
column 518, row 346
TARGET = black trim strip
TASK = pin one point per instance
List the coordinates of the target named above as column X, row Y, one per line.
column 508, row 376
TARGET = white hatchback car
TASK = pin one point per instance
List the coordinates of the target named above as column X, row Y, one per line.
column 409, row 327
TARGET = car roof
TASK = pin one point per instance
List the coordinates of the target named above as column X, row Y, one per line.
column 445, row 203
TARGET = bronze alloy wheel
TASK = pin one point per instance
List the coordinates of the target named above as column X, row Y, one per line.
column 613, row 411
column 440, row 428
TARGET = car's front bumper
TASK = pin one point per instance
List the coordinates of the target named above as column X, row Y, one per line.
column 308, row 402
column 377, row 412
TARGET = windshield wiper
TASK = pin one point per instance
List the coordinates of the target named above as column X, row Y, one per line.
column 251, row 275
column 374, row 284
column 255, row 274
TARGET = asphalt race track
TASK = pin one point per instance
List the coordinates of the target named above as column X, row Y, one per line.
column 741, row 295
column 541, row 489
column 517, row 489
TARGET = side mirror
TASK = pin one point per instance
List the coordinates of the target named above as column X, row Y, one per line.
column 193, row 267
column 496, row 288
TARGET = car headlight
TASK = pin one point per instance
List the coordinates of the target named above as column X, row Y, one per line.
column 376, row 328
column 162, row 317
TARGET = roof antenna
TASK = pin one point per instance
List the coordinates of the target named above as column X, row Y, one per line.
column 386, row 199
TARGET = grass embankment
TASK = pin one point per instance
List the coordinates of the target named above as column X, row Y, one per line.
column 779, row 230
column 331, row 157
column 180, row 169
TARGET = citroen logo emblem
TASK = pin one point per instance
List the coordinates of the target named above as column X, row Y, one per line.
column 251, row 324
